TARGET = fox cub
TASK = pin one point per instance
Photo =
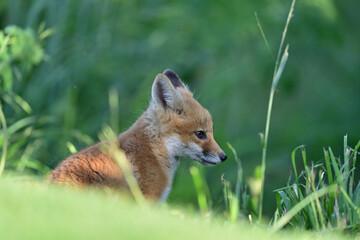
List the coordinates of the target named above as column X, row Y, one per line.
column 174, row 125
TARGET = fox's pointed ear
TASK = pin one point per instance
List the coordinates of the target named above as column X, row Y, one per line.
column 164, row 93
column 174, row 78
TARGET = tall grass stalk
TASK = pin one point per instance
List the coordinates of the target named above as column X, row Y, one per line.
column 200, row 187
column 278, row 70
column 294, row 166
column 4, row 150
column 237, row 199
column 71, row 147
column 263, row 36
column 111, row 147
column 232, row 203
column 239, row 173
column 114, row 109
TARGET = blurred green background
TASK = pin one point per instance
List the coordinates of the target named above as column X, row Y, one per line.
column 216, row 48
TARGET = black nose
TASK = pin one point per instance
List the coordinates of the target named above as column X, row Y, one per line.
column 223, row 157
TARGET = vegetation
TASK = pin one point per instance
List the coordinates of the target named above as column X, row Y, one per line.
column 338, row 205
column 32, row 210
column 20, row 50
column 74, row 72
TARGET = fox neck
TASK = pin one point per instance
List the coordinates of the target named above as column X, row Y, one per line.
column 143, row 144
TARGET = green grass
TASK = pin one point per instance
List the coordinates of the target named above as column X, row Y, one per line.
column 32, row 210
column 324, row 195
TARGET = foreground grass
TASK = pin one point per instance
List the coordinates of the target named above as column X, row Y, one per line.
column 32, row 210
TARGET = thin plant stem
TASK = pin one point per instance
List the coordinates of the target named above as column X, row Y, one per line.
column 347, row 198
column 200, row 189
column 240, row 172
column 267, row 126
column 263, row 36
column 283, row 36
column 111, row 147
column 4, row 150
column 114, row 109
column 279, row 67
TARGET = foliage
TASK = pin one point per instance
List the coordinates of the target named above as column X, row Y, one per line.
column 317, row 200
column 32, row 210
column 20, row 47
column 318, row 206
column 338, row 208
column 20, row 51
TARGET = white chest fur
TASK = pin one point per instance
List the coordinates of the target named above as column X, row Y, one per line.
column 172, row 145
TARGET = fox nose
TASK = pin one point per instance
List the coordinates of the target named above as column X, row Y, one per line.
column 223, row 157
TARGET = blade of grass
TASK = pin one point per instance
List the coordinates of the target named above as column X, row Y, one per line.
column 328, row 167
column 283, row 36
column 5, row 141
column 21, row 124
column 226, row 190
column 239, row 174
column 339, row 176
column 26, row 156
column 15, row 101
column 353, row 156
column 234, row 208
column 114, row 109
column 354, row 151
column 232, row 203
column 71, row 147
column 118, row 155
column 22, row 103
column 280, row 69
column 82, row 137
column 263, row 36
column 199, row 186
column 314, row 215
column 294, row 166
column 330, row 208
column 347, row 198
column 278, row 204
column 311, row 178
column 318, row 205
column 346, row 155
column 31, row 163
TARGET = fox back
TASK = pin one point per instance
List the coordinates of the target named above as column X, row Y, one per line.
column 174, row 125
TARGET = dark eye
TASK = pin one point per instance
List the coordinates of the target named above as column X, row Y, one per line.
column 200, row 134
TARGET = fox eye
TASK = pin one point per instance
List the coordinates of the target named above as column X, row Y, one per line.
column 200, row 134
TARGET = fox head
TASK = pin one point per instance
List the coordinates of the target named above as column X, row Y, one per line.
column 184, row 125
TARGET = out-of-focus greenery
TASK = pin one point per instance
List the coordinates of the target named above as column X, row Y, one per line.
column 217, row 49
column 17, row 45
column 30, row 210
column 20, row 51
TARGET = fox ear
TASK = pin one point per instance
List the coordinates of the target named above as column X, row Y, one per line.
column 174, row 78
column 164, row 93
